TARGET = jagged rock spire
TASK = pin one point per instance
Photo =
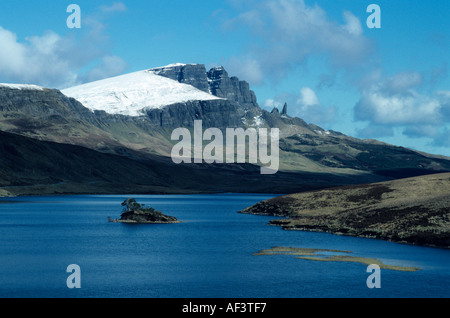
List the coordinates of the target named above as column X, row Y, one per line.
column 284, row 111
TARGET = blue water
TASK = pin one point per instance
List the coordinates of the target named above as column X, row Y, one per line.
column 209, row 255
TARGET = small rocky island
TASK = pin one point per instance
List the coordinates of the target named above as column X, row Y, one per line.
column 136, row 213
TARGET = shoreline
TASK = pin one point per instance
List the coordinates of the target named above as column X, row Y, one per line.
column 278, row 222
column 413, row 211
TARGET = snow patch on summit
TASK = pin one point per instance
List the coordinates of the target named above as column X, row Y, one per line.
column 22, row 86
column 131, row 94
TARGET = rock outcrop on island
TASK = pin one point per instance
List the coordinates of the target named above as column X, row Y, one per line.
column 141, row 214
column 413, row 210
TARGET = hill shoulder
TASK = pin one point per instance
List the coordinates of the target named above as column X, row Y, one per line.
column 413, row 210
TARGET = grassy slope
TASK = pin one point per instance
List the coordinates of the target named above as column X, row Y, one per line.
column 413, row 210
column 32, row 167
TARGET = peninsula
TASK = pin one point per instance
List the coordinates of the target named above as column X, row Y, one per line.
column 412, row 210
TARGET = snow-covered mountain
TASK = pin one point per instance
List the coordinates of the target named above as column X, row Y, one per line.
column 135, row 93
column 138, row 112
column 22, row 86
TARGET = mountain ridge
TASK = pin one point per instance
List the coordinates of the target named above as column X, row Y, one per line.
column 131, row 94
column 305, row 149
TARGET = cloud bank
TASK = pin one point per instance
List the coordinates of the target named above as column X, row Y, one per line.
column 287, row 32
column 306, row 105
column 398, row 102
column 52, row 60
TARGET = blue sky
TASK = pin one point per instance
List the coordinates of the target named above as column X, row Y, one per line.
column 390, row 84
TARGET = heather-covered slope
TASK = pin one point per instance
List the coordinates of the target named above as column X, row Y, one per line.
column 33, row 167
column 412, row 210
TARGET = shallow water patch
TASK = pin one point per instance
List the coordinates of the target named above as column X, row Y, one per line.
column 329, row 255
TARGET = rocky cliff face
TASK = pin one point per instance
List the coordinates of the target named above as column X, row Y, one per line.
column 231, row 88
column 237, row 106
column 29, row 111
column 216, row 113
column 192, row 74
column 38, row 113
column 48, row 114
column 45, row 102
column 216, row 81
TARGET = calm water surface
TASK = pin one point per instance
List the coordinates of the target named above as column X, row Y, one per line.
column 210, row 254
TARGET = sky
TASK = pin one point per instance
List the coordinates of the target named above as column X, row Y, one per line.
column 321, row 57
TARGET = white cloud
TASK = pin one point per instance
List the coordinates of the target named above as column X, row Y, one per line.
column 12, row 54
column 287, row 32
column 396, row 101
column 109, row 66
column 115, row 7
column 444, row 95
column 305, row 105
column 307, row 98
column 309, row 108
column 383, row 108
column 352, row 24
column 35, row 61
column 246, row 68
column 271, row 103
column 54, row 61
column 403, row 82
